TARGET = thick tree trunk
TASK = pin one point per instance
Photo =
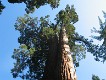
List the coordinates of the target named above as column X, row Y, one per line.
column 49, row 72
column 60, row 65
column 66, row 66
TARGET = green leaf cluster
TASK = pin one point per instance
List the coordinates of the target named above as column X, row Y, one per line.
column 100, row 50
column 32, row 4
column 95, row 77
column 101, row 31
column 1, row 7
column 33, row 49
column 79, row 53
column 67, row 16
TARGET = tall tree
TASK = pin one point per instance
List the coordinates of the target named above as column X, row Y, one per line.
column 63, row 68
column 50, row 51
column 46, row 48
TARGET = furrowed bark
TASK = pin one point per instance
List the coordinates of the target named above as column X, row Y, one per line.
column 67, row 70
column 49, row 72
column 59, row 64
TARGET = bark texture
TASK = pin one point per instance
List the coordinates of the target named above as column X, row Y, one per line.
column 49, row 72
column 59, row 65
column 67, row 69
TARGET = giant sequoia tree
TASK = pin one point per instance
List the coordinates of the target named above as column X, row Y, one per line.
column 50, row 51
column 45, row 51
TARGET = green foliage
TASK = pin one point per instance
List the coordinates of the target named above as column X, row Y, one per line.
column 48, row 32
column 95, row 77
column 1, row 7
column 101, row 31
column 70, row 30
column 32, row 4
column 97, row 51
column 67, row 16
column 79, row 53
column 101, row 50
column 31, row 55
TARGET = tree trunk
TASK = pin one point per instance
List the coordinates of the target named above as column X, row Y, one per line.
column 49, row 71
column 65, row 64
column 60, row 65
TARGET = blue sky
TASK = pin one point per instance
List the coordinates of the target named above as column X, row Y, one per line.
column 88, row 12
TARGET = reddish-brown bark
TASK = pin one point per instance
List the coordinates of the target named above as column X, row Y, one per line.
column 60, row 65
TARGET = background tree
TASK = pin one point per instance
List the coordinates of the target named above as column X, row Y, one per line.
column 101, row 49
